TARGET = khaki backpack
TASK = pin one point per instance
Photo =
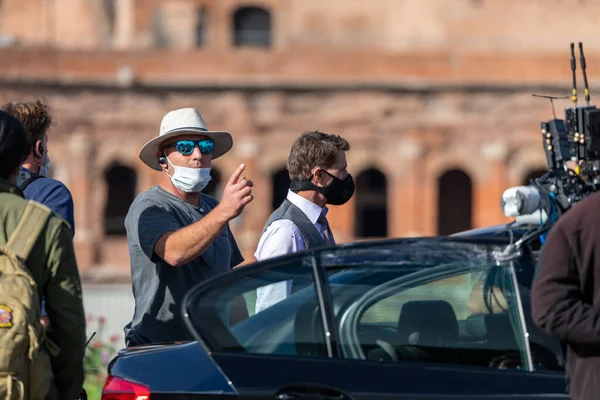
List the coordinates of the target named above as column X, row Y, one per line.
column 25, row 371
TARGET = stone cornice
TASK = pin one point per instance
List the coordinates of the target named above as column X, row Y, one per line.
column 290, row 69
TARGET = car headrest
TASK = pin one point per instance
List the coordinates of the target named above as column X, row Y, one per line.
column 427, row 323
column 475, row 326
column 500, row 332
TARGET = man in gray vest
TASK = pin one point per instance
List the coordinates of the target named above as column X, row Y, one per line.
column 319, row 176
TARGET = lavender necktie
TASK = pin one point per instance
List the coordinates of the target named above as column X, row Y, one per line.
column 327, row 235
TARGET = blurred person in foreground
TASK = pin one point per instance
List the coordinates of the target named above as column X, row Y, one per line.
column 565, row 296
column 37, row 259
column 319, row 176
column 177, row 235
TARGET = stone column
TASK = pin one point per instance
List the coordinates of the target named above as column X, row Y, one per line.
column 218, row 26
column 488, row 187
column 80, row 184
column 124, row 24
column 405, row 192
column 180, row 18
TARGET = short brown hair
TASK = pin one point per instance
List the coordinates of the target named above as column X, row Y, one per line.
column 314, row 149
column 35, row 117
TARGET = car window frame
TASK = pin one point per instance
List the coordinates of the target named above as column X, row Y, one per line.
column 207, row 338
column 522, row 321
column 352, row 316
column 320, row 269
column 350, row 320
column 528, row 259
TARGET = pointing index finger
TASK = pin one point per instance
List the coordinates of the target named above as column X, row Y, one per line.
column 236, row 175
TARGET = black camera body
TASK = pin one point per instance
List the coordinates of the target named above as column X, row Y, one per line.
column 556, row 143
column 583, row 128
column 572, row 148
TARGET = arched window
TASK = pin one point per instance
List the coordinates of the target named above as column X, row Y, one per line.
column 454, row 202
column 252, row 27
column 281, row 184
column 371, row 204
column 533, row 174
column 121, row 182
column 214, row 188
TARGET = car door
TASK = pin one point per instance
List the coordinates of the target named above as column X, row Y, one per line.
column 402, row 319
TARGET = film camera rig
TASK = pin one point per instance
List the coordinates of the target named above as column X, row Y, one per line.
column 572, row 148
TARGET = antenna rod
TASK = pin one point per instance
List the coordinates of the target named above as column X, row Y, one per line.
column 552, row 98
column 574, row 96
column 90, row 339
column 585, row 81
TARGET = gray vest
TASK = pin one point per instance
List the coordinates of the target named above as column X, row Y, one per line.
column 310, row 234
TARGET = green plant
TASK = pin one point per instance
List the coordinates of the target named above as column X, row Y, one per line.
column 98, row 354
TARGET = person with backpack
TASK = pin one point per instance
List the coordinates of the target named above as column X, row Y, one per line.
column 36, row 259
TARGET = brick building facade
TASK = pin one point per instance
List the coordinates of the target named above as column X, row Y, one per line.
column 436, row 101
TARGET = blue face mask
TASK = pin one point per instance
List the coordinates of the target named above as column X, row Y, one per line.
column 44, row 168
column 19, row 180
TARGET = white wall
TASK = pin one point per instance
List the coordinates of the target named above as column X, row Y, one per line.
column 115, row 303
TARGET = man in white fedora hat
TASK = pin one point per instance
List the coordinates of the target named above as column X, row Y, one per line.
column 177, row 235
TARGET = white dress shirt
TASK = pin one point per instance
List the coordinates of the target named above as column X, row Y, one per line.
column 284, row 237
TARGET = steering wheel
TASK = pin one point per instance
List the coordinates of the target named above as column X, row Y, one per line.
column 387, row 348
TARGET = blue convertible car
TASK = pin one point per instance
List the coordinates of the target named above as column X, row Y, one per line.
column 424, row 318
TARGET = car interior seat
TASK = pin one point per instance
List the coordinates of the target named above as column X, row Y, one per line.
column 430, row 323
column 308, row 330
column 500, row 334
column 427, row 331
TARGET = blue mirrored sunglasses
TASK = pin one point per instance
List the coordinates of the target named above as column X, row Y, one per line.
column 186, row 147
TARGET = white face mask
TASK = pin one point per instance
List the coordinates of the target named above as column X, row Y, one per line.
column 190, row 180
column 44, row 168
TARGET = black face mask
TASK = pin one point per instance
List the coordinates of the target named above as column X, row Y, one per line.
column 337, row 193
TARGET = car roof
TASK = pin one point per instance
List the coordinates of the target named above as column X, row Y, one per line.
column 503, row 230
column 392, row 250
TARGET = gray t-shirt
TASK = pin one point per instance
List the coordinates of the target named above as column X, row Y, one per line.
column 158, row 288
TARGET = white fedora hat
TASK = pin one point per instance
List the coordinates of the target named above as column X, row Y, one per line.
column 185, row 121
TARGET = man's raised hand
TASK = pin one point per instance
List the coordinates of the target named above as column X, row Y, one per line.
column 236, row 194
